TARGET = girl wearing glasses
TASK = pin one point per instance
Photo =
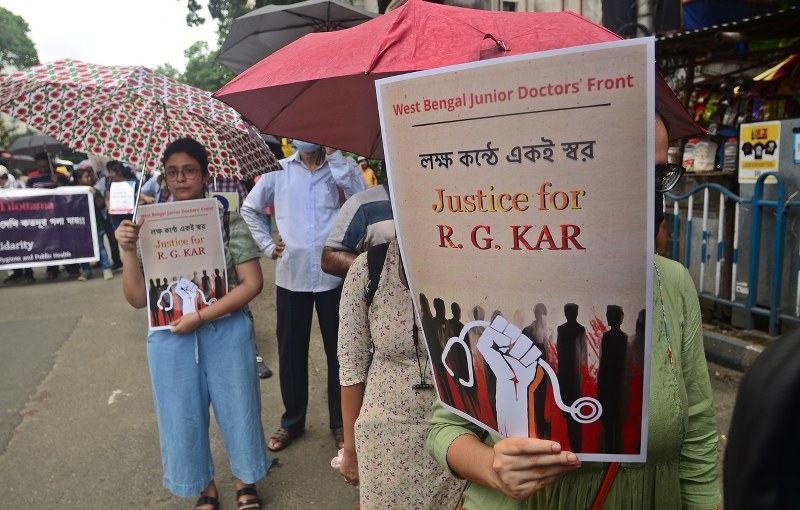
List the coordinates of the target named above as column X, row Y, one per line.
column 203, row 361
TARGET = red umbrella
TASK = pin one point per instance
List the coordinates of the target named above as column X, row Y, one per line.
column 321, row 88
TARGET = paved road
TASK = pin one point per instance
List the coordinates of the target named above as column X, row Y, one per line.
column 77, row 426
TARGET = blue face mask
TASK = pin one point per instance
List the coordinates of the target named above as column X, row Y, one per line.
column 306, row 147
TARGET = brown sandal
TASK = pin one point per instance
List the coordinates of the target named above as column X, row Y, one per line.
column 282, row 438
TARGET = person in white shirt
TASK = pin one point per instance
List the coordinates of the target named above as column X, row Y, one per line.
column 7, row 180
column 306, row 197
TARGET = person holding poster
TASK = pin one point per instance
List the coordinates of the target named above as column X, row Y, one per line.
column 206, row 358
column 120, row 176
column 682, row 459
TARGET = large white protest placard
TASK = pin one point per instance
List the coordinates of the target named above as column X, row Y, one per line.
column 522, row 194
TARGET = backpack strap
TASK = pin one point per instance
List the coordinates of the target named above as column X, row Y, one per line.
column 376, row 256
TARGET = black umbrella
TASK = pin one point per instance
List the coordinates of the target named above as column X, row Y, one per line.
column 266, row 30
column 32, row 144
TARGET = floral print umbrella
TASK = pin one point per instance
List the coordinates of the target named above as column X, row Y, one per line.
column 131, row 114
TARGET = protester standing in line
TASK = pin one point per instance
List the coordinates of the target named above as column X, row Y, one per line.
column 387, row 393
column 206, row 358
column 103, row 186
column 84, row 176
column 365, row 220
column 682, row 460
column 305, row 195
column 120, row 172
column 367, row 172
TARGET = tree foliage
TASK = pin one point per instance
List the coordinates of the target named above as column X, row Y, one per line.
column 16, row 48
column 202, row 71
column 16, row 52
column 225, row 11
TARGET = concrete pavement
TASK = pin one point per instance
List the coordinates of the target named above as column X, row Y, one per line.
column 78, row 429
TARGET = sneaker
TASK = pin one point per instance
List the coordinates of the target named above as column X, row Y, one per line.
column 29, row 280
column 117, row 267
column 264, row 372
column 85, row 275
column 108, row 274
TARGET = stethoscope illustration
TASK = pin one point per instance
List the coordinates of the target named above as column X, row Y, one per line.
column 592, row 405
column 185, row 287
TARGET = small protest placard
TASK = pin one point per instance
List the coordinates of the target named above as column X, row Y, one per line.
column 521, row 191
column 121, row 197
column 182, row 257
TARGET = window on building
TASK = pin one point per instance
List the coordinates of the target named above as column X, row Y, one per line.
column 508, row 6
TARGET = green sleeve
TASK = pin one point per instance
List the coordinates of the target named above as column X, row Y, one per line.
column 241, row 244
column 445, row 428
column 699, row 461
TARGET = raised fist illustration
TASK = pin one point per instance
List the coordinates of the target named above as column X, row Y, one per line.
column 513, row 358
column 187, row 291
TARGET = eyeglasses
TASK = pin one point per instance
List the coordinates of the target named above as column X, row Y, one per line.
column 188, row 173
column 667, row 176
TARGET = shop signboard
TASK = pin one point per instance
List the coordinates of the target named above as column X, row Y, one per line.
column 759, row 150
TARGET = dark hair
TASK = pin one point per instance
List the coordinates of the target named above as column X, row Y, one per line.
column 121, row 168
column 41, row 156
column 78, row 173
column 191, row 147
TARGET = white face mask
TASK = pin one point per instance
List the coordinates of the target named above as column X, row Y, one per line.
column 306, row 147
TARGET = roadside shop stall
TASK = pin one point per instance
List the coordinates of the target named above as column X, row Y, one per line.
column 735, row 228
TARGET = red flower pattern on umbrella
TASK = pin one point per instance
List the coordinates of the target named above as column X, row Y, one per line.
column 131, row 113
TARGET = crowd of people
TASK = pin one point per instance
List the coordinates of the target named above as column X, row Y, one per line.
column 336, row 254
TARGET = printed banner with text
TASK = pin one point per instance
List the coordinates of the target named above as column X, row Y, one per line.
column 47, row 227
column 182, row 257
column 521, row 194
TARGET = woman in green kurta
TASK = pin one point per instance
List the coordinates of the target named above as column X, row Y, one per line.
column 682, row 460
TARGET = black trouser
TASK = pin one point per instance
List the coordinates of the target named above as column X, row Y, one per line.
column 294, row 310
column 112, row 242
column 28, row 271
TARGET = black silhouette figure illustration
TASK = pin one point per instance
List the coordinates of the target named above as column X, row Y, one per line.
column 219, row 288
column 613, row 353
column 435, row 335
column 205, row 281
column 153, row 299
column 572, row 358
